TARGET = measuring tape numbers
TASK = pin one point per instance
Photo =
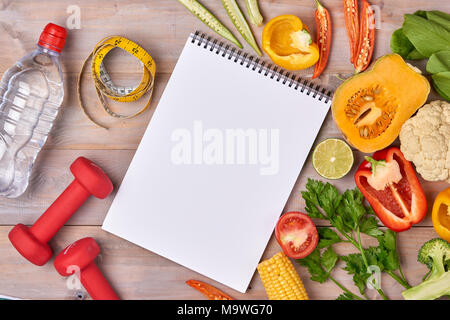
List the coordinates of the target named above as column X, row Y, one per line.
column 103, row 83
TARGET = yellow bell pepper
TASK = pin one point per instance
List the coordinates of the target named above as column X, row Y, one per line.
column 289, row 44
column 441, row 214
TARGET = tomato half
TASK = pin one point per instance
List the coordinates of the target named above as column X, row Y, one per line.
column 296, row 234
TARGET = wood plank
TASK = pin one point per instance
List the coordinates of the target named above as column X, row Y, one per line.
column 162, row 26
column 139, row 274
column 51, row 176
column 73, row 131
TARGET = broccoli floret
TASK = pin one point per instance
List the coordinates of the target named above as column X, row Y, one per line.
column 434, row 249
column 435, row 254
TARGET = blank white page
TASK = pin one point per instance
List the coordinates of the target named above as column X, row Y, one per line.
column 216, row 165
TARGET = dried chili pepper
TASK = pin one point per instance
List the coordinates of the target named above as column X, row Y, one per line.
column 366, row 41
column 323, row 22
column 352, row 25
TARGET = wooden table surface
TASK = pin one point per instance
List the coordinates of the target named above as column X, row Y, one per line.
column 160, row 26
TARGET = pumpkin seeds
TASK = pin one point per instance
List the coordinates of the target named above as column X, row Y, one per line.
column 210, row 20
column 371, row 111
column 240, row 23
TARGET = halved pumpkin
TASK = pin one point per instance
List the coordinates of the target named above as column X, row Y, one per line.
column 371, row 107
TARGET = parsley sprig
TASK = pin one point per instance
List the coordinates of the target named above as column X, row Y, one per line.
column 350, row 217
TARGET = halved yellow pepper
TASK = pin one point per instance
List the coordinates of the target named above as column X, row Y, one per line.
column 441, row 214
column 288, row 43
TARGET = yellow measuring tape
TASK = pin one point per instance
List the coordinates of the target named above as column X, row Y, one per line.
column 103, row 83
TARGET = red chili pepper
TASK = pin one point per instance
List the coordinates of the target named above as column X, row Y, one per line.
column 399, row 205
column 323, row 22
column 352, row 25
column 208, row 290
column 366, row 40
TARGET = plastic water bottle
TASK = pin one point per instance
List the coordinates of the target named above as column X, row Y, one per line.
column 31, row 93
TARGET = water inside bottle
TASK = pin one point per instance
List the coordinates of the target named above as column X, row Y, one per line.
column 30, row 95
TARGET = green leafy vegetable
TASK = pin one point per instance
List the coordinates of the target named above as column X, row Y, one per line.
column 439, row 66
column 439, row 62
column 403, row 46
column 415, row 55
column 441, row 82
column 427, row 36
column 369, row 226
column 329, row 259
column 441, row 14
column 315, row 268
column 355, row 266
column 440, row 18
column 350, row 217
column 345, row 296
column 320, row 267
column 327, row 237
column 400, row 44
column 384, row 256
column 421, row 13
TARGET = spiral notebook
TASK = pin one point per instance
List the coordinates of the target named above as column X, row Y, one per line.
column 218, row 161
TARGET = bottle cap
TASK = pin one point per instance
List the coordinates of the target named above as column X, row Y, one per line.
column 53, row 37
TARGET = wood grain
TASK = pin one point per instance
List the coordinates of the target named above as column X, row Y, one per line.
column 52, row 176
column 160, row 26
column 139, row 274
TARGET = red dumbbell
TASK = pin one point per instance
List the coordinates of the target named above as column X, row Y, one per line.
column 80, row 256
column 32, row 243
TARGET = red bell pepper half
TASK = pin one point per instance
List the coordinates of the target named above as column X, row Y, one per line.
column 388, row 181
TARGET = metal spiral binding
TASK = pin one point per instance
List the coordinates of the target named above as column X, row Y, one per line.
column 262, row 67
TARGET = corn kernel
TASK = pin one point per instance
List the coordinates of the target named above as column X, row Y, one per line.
column 280, row 279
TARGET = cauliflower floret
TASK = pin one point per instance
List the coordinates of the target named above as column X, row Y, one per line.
column 425, row 141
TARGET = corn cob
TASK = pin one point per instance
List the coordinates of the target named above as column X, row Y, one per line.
column 280, row 279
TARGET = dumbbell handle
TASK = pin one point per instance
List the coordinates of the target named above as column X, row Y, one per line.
column 96, row 284
column 59, row 212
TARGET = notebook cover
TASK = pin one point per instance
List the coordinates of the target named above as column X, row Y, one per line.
column 217, row 162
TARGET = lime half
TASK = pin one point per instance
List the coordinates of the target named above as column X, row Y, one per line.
column 332, row 158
